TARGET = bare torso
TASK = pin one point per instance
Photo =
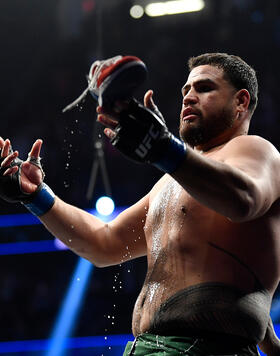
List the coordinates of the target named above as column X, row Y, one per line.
column 189, row 244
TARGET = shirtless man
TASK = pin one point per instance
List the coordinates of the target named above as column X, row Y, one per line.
column 209, row 227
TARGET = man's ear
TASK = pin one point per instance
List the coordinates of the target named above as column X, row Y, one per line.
column 242, row 100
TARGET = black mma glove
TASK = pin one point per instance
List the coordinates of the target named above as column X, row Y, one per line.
column 10, row 189
column 143, row 136
column 38, row 202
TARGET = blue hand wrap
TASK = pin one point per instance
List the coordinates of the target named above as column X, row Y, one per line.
column 42, row 202
column 173, row 156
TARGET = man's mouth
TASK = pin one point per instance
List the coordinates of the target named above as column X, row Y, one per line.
column 189, row 114
column 190, row 118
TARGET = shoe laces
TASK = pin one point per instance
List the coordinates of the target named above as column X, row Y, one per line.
column 96, row 70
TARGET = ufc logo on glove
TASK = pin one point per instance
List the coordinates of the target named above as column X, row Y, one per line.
column 145, row 146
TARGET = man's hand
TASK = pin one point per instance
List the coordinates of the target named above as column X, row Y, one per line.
column 110, row 118
column 140, row 133
column 18, row 179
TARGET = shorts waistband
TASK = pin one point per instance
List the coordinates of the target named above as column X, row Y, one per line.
column 147, row 343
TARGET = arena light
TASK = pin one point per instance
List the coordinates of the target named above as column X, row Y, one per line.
column 173, row 7
column 136, row 11
column 71, row 304
column 70, row 308
column 105, row 206
column 74, row 343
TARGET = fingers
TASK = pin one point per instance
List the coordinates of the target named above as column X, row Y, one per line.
column 5, row 147
column 2, row 142
column 36, row 149
column 9, row 159
column 106, row 119
column 148, row 100
column 8, row 156
column 109, row 133
column 11, row 170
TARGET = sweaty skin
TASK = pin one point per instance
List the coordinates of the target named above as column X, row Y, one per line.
column 186, row 244
column 215, row 219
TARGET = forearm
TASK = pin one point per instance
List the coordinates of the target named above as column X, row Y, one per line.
column 222, row 188
column 80, row 231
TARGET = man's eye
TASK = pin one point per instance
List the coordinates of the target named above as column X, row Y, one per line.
column 204, row 88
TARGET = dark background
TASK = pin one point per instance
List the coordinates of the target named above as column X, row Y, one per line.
column 47, row 48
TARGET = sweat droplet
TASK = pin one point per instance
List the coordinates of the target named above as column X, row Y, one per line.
column 72, row 226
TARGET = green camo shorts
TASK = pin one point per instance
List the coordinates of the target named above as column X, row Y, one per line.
column 155, row 345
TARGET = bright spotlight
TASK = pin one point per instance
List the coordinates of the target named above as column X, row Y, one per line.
column 105, row 206
column 173, row 7
column 136, row 11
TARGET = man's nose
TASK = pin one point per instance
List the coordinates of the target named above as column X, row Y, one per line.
column 190, row 98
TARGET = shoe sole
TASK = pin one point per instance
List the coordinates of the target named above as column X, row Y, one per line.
column 121, row 84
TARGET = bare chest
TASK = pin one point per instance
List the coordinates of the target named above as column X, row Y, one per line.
column 174, row 218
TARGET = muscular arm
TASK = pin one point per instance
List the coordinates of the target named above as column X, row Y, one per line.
column 241, row 185
column 101, row 243
column 240, row 181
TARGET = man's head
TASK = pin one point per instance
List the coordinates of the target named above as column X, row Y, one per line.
column 236, row 71
column 219, row 98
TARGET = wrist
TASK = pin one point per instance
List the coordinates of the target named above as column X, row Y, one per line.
column 42, row 202
column 173, row 156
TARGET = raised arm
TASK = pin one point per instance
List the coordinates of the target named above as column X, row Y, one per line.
column 101, row 243
column 241, row 185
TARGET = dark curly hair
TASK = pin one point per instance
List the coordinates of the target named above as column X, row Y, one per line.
column 236, row 71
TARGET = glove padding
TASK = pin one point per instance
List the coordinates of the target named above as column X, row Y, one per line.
column 10, row 186
column 141, row 134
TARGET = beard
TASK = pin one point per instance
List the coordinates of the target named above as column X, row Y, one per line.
column 203, row 130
